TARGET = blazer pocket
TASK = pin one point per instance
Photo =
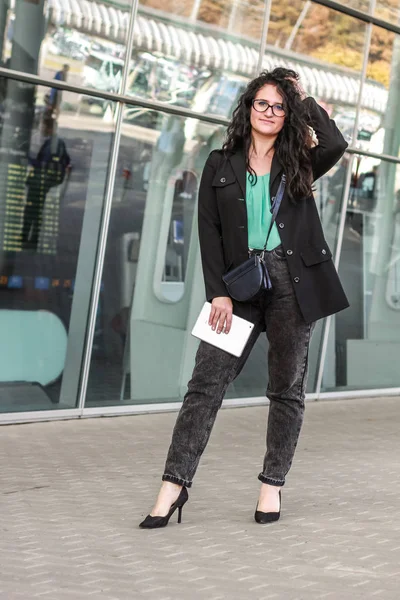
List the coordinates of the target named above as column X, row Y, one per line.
column 313, row 255
column 223, row 179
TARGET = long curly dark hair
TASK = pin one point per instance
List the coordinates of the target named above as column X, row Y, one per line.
column 294, row 140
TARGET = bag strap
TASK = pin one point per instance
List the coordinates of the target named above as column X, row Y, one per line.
column 276, row 202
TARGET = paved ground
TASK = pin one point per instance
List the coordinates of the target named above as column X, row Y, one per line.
column 72, row 494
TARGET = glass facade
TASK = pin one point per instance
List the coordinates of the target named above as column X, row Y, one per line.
column 108, row 112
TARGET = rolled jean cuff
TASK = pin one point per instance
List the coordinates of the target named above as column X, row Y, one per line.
column 271, row 481
column 177, row 480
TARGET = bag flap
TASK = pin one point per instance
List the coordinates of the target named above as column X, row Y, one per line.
column 313, row 255
column 249, row 265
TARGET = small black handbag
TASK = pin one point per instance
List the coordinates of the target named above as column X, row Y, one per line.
column 249, row 279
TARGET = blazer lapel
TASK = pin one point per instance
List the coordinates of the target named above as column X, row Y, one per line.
column 238, row 163
column 276, row 169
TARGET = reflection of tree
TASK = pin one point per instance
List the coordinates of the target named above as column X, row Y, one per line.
column 324, row 33
column 332, row 37
column 237, row 16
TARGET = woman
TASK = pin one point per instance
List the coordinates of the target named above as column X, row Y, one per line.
column 269, row 135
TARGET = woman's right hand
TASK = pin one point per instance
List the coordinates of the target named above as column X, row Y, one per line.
column 221, row 314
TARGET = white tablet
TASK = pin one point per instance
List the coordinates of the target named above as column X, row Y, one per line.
column 232, row 342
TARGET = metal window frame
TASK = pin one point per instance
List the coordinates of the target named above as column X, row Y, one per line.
column 136, row 409
column 264, row 35
column 123, row 100
column 113, row 97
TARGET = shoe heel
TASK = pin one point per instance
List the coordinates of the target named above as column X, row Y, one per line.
column 153, row 522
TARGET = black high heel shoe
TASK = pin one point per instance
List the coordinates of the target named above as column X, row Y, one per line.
column 154, row 522
column 268, row 517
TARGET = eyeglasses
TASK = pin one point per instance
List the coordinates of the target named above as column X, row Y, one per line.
column 262, row 106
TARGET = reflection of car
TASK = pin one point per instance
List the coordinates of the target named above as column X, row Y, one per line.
column 368, row 124
column 141, row 116
column 111, row 49
column 217, row 96
column 69, row 45
column 102, row 71
column 345, row 122
column 164, row 79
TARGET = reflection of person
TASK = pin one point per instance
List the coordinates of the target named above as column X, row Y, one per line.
column 367, row 184
column 48, row 170
column 268, row 135
column 55, row 95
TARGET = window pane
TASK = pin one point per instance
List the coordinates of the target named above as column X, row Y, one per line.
column 53, row 171
column 378, row 124
column 388, row 10
column 326, row 48
column 152, row 280
column 240, row 17
column 364, row 339
column 79, row 42
column 201, row 61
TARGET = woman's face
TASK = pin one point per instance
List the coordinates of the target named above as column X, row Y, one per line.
column 267, row 123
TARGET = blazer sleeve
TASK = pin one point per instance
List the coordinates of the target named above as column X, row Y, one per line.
column 209, row 223
column 331, row 144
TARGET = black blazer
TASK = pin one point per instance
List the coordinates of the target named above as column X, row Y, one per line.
column 222, row 218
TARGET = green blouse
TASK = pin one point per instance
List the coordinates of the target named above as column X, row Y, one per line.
column 258, row 204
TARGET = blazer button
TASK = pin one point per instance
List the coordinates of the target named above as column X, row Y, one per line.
column 323, row 251
column 281, row 225
column 290, row 252
column 222, row 180
column 296, row 279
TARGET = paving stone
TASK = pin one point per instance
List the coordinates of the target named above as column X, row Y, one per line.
column 73, row 492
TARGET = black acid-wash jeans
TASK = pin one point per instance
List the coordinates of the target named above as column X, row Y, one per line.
column 276, row 311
